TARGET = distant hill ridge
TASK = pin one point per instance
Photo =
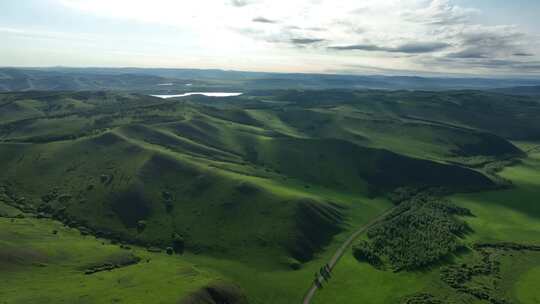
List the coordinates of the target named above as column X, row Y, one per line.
column 141, row 79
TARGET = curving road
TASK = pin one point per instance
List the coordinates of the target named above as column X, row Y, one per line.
column 341, row 250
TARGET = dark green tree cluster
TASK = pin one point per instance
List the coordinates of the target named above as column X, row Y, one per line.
column 506, row 246
column 402, row 194
column 419, row 232
column 462, row 277
column 421, row 298
column 364, row 251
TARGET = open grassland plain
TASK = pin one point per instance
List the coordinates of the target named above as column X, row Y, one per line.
column 243, row 199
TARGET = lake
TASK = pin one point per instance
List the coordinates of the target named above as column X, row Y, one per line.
column 209, row 94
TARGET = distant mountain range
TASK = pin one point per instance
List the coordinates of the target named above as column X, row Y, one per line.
column 522, row 90
column 181, row 80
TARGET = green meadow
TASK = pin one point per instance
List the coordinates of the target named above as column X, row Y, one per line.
column 510, row 215
column 110, row 197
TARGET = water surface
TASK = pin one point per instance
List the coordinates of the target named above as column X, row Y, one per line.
column 209, row 94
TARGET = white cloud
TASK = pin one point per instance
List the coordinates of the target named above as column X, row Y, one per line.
column 403, row 34
column 440, row 12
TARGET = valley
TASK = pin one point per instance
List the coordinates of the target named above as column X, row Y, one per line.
column 242, row 199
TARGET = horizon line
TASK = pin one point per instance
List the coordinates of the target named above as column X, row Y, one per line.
column 411, row 75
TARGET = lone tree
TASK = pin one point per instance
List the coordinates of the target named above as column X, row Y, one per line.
column 178, row 243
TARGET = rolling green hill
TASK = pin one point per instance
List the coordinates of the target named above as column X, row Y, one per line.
column 258, row 190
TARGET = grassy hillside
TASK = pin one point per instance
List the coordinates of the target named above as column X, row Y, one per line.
column 499, row 217
column 259, row 190
column 511, row 214
column 479, row 110
column 42, row 260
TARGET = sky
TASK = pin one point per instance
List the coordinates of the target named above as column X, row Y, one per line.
column 398, row 37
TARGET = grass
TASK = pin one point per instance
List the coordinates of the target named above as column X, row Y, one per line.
column 353, row 282
column 512, row 214
column 281, row 284
column 500, row 216
column 250, row 188
column 50, row 267
column 201, row 156
column 527, row 286
column 277, row 283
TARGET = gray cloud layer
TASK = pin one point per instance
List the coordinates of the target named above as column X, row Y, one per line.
column 408, row 48
column 438, row 32
column 303, row 41
column 263, row 20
